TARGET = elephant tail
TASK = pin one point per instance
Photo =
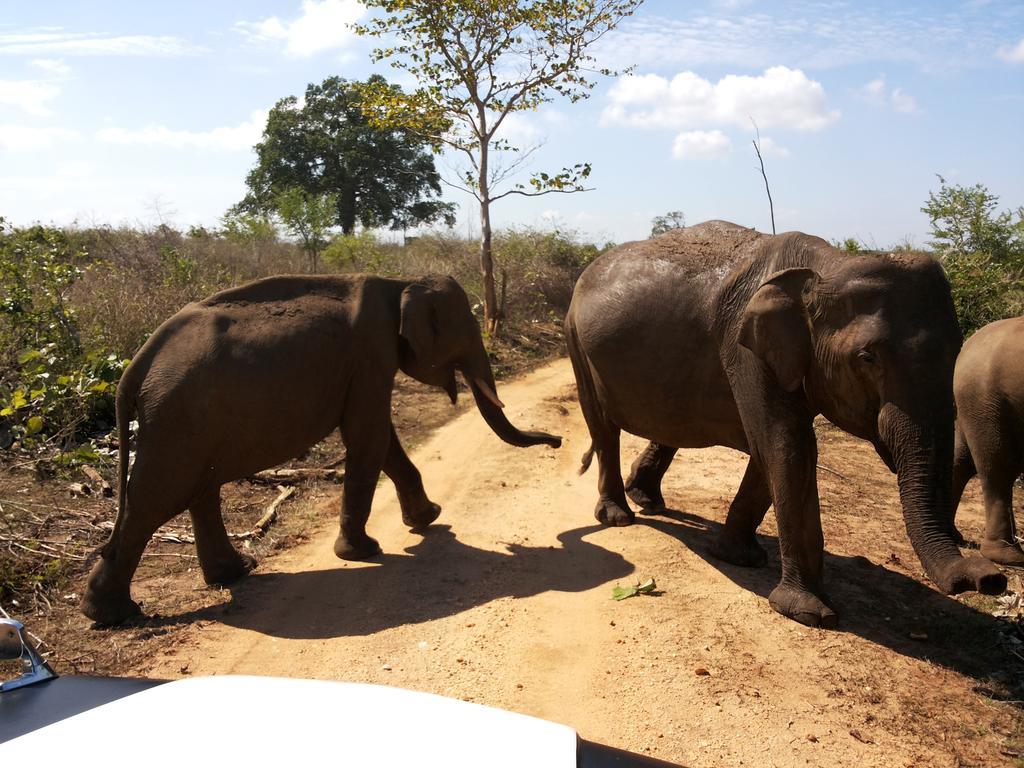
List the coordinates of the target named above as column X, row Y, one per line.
column 586, row 459
column 124, row 410
column 590, row 404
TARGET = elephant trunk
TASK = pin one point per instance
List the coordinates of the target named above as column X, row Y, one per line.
column 921, row 451
column 478, row 375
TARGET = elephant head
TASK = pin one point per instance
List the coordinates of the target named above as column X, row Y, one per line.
column 438, row 336
column 873, row 342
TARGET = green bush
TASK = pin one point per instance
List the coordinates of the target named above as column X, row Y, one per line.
column 982, row 251
column 53, row 390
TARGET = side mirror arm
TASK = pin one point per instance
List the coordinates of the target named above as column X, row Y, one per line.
column 13, row 647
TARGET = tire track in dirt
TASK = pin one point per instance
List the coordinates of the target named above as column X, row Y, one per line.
column 506, row 601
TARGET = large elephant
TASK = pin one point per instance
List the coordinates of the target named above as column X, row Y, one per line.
column 720, row 335
column 253, row 376
column 988, row 385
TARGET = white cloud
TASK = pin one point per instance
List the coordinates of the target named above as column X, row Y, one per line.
column 781, row 97
column 30, row 96
column 322, row 26
column 807, row 35
column 529, row 128
column 1012, row 54
column 242, row 136
column 25, row 138
column 88, row 44
column 700, row 145
column 54, row 67
column 878, row 94
column 770, row 147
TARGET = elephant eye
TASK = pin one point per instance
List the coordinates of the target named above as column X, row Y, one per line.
column 866, row 356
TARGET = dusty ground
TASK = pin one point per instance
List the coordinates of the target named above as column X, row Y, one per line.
column 506, row 601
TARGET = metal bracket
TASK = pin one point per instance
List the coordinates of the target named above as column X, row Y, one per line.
column 15, row 646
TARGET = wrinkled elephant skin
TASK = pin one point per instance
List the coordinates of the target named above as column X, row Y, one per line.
column 720, row 335
column 255, row 375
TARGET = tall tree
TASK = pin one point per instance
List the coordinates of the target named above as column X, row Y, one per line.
column 324, row 145
column 671, row 220
column 477, row 62
column 307, row 217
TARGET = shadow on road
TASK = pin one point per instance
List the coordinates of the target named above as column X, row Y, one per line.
column 880, row 605
column 439, row 576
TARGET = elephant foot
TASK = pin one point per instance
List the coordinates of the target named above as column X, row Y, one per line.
column 355, row 547
column 739, row 550
column 802, row 606
column 222, row 574
column 420, row 516
column 1002, row 552
column 109, row 610
column 965, row 574
column 610, row 513
column 650, row 500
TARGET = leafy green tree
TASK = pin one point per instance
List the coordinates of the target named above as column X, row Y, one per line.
column 982, row 251
column 255, row 230
column 477, row 62
column 379, row 177
column 671, row 220
column 307, row 217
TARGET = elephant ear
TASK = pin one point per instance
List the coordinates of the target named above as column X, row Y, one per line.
column 774, row 326
column 418, row 324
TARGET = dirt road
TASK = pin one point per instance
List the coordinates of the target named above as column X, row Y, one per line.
column 506, row 601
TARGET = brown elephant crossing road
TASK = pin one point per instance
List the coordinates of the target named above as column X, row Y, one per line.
column 506, row 601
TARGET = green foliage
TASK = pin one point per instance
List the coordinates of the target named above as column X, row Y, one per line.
column 360, row 252
column 327, row 146
column 477, row 62
column 51, row 388
column 982, row 251
column 671, row 220
column 308, row 217
column 850, row 245
column 647, row 588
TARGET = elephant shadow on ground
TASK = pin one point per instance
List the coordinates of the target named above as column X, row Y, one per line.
column 881, row 605
column 437, row 577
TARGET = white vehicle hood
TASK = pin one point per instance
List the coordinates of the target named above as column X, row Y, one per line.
column 257, row 721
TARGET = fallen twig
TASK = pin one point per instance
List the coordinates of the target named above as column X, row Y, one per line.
column 833, row 472
column 270, row 515
column 276, row 476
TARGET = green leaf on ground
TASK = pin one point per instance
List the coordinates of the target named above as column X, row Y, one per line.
column 621, row 593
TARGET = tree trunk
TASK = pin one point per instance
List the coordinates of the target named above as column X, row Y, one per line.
column 492, row 315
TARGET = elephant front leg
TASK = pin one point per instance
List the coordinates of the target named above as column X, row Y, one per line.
column 791, row 469
column 784, row 453
column 737, row 543
column 365, row 430
column 417, row 510
column 644, row 482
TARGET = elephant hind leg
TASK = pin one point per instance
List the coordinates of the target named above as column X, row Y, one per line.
column 612, row 507
column 220, row 561
column 737, row 544
column 1000, row 544
column 107, row 599
column 963, row 471
column 643, row 485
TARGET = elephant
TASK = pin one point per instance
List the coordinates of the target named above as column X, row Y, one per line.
column 253, row 376
column 988, row 385
column 717, row 334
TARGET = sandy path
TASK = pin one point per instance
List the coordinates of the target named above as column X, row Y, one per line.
column 506, row 601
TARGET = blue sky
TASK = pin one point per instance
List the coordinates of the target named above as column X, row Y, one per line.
column 118, row 112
